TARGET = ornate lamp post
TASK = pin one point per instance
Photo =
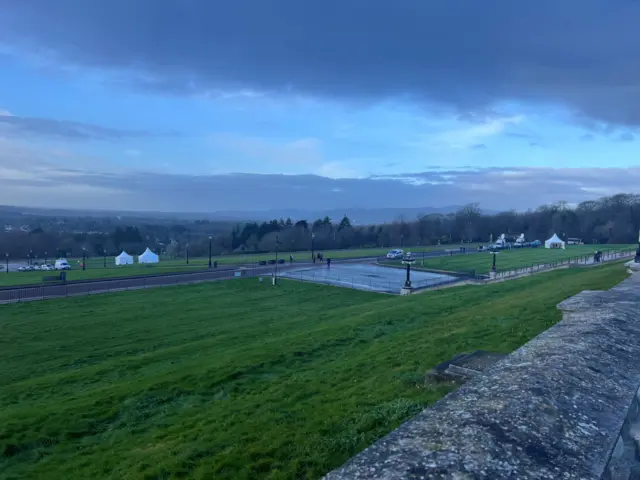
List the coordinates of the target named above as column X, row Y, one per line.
column 313, row 255
column 6, row 256
column 45, row 258
column 104, row 257
column 210, row 238
column 408, row 260
column 84, row 258
column 187, row 254
column 493, row 265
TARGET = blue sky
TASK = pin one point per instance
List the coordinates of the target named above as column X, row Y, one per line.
column 202, row 112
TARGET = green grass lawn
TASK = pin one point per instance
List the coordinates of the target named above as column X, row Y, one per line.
column 512, row 259
column 241, row 380
column 96, row 268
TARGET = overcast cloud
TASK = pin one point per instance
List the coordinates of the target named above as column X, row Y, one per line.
column 22, row 126
column 502, row 69
column 31, row 180
column 580, row 53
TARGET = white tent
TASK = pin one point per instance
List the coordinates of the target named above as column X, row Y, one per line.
column 520, row 239
column 554, row 242
column 124, row 259
column 148, row 257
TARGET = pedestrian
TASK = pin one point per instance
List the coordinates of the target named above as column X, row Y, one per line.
column 328, row 263
column 290, row 258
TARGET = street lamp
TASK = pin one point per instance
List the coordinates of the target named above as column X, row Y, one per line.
column 210, row 238
column 408, row 260
column 104, row 254
column 6, row 256
column 493, row 266
column 275, row 267
column 187, row 254
column 84, row 258
column 45, row 258
column 313, row 255
column 30, row 257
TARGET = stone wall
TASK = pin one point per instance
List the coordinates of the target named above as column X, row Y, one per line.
column 553, row 409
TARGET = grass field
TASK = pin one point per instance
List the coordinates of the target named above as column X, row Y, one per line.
column 512, row 259
column 96, row 268
column 238, row 380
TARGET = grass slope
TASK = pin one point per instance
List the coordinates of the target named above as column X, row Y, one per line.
column 515, row 258
column 96, row 268
column 238, row 380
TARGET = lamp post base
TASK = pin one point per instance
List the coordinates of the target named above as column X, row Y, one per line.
column 406, row 290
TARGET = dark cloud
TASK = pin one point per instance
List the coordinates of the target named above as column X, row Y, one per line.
column 577, row 53
column 479, row 146
column 66, row 129
column 626, row 137
column 587, row 137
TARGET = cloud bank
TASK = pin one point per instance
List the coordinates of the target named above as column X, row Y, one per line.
column 29, row 179
column 69, row 130
column 576, row 53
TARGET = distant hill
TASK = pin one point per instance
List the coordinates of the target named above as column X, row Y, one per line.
column 359, row 216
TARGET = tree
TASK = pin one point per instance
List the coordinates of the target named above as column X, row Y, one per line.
column 344, row 223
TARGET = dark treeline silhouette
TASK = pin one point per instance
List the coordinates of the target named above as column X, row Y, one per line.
column 609, row 220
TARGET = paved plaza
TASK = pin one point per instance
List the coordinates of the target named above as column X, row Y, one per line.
column 366, row 277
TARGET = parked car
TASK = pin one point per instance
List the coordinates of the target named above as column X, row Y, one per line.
column 24, row 268
column 395, row 254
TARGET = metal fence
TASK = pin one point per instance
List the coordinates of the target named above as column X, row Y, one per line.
column 583, row 260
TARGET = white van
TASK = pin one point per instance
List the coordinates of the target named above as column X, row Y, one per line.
column 62, row 264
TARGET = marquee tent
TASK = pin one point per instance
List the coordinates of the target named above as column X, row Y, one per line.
column 148, row 257
column 554, row 242
column 124, row 259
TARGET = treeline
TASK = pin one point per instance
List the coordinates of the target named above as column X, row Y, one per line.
column 612, row 220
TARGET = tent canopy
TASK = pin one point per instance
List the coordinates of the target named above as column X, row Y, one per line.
column 554, row 242
column 148, row 257
column 124, row 259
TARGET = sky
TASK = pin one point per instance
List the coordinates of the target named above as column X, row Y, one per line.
column 205, row 105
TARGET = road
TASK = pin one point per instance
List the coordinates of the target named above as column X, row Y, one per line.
column 21, row 293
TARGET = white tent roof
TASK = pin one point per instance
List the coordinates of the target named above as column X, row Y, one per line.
column 553, row 241
column 124, row 259
column 148, row 257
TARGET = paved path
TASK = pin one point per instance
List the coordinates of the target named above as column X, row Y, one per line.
column 40, row 292
column 22, row 293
